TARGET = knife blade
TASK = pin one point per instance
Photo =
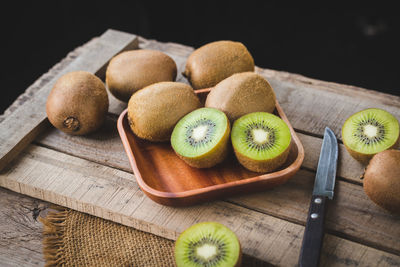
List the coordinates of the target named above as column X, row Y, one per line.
column 323, row 188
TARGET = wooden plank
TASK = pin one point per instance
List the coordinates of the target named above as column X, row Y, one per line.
column 20, row 127
column 20, row 231
column 351, row 214
column 113, row 194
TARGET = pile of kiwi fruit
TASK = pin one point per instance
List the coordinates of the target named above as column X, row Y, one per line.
column 371, row 136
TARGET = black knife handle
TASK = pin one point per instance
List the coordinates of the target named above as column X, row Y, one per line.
column 313, row 234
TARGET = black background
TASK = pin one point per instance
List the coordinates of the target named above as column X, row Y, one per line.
column 357, row 45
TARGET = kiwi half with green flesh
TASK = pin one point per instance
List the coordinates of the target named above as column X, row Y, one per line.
column 154, row 110
column 133, row 70
column 368, row 132
column 382, row 180
column 213, row 62
column 261, row 141
column 201, row 137
column 77, row 103
column 208, row 244
column 242, row 93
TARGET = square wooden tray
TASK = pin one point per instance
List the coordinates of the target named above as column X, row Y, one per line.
column 168, row 180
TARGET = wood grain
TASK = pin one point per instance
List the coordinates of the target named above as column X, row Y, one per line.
column 113, row 194
column 20, row 231
column 19, row 128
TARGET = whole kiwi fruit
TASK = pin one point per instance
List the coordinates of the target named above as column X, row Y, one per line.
column 382, row 180
column 213, row 62
column 242, row 93
column 78, row 103
column 154, row 110
column 133, row 70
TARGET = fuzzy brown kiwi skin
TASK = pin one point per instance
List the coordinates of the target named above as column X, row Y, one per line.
column 365, row 158
column 154, row 110
column 213, row 62
column 382, row 180
column 262, row 165
column 78, row 103
column 242, row 93
column 133, row 70
column 214, row 157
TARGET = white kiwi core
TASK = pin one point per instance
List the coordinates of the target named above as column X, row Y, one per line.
column 206, row 251
column 199, row 132
column 260, row 136
column 370, row 130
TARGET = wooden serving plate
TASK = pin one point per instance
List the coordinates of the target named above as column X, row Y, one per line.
column 168, row 180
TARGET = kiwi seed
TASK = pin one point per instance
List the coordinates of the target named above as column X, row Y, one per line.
column 213, row 62
column 208, row 244
column 154, row 110
column 368, row 132
column 242, row 93
column 261, row 141
column 133, row 70
column 78, row 103
column 382, row 180
column 201, row 137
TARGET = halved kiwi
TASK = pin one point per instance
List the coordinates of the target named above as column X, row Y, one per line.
column 261, row 141
column 201, row 137
column 208, row 244
column 368, row 132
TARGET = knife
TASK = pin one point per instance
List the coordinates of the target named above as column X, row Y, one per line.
column 323, row 188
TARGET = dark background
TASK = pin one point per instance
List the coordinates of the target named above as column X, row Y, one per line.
column 357, row 45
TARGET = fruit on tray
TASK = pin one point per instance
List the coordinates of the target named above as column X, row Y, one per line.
column 208, row 244
column 261, row 141
column 368, row 132
column 133, row 70
column 154, row 110
column 382, row 180
column 213, row 62
column 201, row 137
column 77, row 103
column 242, row 93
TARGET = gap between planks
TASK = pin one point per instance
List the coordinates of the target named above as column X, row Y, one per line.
column 113, row 194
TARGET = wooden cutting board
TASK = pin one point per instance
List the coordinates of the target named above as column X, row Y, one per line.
column 92, row 174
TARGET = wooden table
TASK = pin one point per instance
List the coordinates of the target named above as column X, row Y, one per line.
column 92, row 174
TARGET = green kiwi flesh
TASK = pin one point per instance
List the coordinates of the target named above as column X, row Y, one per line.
column 242, row 93
column 133, row 70
column 213, row 62
column 201, row 137
column 368, row 132
column 77, row 103
column 154, row 110
column 382, row 180
column 261, row 141
column 208, row 244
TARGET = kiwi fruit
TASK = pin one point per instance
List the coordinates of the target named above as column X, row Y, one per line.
column 213, row 62
column 201, row 137
column 261, row 141
column 242, row 93
column 133, row 70
column 208, row 244
column 382, row 180
column 368, row 132
column 154, row 110
column 77, row 103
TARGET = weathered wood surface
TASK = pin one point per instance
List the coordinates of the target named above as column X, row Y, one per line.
column 113, row 194
column 350, row 214
column 358, row 230
column 20, row 127
column 20, row 231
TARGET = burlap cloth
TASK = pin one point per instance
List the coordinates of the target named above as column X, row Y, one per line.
column 72, row 238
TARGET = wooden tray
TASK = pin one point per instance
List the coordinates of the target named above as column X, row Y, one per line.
column 168, row 180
